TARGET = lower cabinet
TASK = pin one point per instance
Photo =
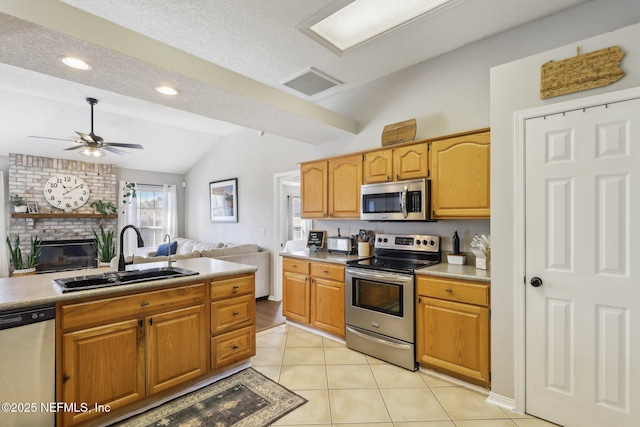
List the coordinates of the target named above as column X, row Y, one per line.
column 120, row 350
column 233, row 315
column 452, row 333
column 313, row 294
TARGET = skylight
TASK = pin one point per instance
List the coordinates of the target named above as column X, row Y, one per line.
column 362, row 20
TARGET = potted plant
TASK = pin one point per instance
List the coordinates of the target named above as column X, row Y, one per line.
column 104, row 208
column 129, row 192
column 105, row 245
column 19, row 268
column 18, row 203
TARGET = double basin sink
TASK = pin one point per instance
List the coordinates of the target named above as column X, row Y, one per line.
column 116, row 278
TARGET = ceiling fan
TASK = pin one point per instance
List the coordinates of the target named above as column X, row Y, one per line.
column 93, row 145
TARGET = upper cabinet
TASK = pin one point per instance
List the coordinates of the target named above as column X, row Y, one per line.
column 331, row 188
column 396, row 164
column 460, row 176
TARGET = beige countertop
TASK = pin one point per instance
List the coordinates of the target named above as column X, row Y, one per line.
column 463, row 272
column 322, row 256
column 37, row 290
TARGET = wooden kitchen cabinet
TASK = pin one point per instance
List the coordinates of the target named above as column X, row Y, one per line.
column 118, row 350
column 314, row 191
column 452, row 330
column 233, row 318
column 313, row 294
column 396, row 164
column 460, row 176
column 331, row 188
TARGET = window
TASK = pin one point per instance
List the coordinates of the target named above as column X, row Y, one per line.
column 298, row 227
column 150, row 206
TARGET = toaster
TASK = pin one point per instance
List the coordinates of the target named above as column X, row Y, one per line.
column 342, row 245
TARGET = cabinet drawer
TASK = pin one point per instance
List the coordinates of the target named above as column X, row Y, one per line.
column 454, row 290
column 295, row 265
column 108, row 309
column 232, row 286
column 328, row 271
column 233, row 347
column 232, row 313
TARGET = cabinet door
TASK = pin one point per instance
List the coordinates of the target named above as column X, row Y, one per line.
column 296, row 297
column 454, row 337
column 102, row 365
column 233, row 346
column 328, row 305
column 176, row 347
column 313, row 189
column 345, row 179
column 411, row 162
column 378, row 166
column 460, row 177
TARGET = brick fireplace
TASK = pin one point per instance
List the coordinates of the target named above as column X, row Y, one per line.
column 27, row 177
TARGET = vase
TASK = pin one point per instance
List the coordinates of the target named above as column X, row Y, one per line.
column 24, row 272
column 104, row 264
column 20, row 209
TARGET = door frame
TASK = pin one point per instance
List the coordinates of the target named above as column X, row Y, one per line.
column 519, row 276
column 278, row 182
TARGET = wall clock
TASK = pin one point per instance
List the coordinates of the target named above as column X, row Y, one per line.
column 66, row 192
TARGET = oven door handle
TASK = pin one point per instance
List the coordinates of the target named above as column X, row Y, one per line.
column 395, row 278
column 378, row 340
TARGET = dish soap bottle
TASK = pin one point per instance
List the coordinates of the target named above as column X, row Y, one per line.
column 455, row 243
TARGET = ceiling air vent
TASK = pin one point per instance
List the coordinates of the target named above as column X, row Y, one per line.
column 311, row 82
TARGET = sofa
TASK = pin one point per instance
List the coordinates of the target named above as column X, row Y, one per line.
column 249, row 254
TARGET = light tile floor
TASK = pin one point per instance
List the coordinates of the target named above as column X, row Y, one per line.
column 349, row 389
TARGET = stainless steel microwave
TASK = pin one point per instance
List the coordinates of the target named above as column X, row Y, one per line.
column 395, row 201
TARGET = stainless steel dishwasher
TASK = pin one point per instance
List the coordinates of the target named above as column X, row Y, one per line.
column 27, row 367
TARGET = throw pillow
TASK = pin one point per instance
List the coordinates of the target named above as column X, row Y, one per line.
column 163, row 249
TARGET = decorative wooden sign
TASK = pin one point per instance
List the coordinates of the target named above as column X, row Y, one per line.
column 316, row 238
column 399, row 132
column 583, row 72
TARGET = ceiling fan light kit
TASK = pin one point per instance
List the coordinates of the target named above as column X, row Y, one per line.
column 92, row 145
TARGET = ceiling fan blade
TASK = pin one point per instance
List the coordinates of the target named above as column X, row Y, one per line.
column 76, row 147
column 119, row 144
column 47, row 137
column 114, row 150
column 85, row 137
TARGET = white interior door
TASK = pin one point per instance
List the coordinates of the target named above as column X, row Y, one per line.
column 582, row 234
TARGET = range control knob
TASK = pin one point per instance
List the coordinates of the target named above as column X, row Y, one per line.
column 432, row 243
column 417, row 242
column 379, row 239
column 385, row 240
column 424, row 242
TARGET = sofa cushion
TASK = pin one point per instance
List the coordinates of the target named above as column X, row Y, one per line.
column 194, row 254
column 232, row 250
column 164, row 248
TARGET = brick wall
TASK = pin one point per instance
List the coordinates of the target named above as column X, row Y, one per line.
column 27, row 177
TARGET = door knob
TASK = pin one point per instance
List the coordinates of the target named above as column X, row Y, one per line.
column 536, row 281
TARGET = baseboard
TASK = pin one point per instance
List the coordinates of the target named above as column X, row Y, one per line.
column 502, row 401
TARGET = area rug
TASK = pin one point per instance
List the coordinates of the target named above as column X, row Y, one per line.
column 245, row 399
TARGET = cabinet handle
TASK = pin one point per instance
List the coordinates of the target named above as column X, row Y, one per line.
column 235, row 289
column 144, row 303
column 325, row 271
column 235, row 347
column 235, row 313
column 65, row 378
column 449, row 290
column 388, row 178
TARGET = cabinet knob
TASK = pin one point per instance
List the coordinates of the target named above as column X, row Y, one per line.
column 397, row 177
column 449, row 290
column 388, row 178
column 144, row 303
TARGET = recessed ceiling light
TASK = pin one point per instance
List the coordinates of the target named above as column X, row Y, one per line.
column 76, row 63
column 363, row 20
column 166, row 90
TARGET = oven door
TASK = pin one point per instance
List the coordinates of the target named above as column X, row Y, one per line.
column 380, row 302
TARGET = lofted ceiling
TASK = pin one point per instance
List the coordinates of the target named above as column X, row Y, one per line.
column 229, row 60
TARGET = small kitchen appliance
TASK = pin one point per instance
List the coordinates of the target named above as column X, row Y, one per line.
column 380, row 297
column 342, row 244
column 395, row 201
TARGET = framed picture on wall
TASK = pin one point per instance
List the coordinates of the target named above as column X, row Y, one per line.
column 32, row 207
column 224, row 200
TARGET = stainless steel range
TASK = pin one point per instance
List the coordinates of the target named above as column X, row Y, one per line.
column 380, row 297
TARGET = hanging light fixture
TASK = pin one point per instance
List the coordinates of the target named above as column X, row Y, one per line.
column 94, row 152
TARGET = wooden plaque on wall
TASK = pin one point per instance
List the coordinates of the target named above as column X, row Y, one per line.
column 582, row 72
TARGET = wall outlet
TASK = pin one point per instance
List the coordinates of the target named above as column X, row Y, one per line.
column 261, row 231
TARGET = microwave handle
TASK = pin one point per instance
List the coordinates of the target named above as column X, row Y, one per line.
column 403, row 201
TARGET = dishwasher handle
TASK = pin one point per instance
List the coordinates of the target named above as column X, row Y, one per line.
column 26, row 316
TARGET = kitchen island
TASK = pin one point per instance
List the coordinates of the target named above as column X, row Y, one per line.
column 133, row 346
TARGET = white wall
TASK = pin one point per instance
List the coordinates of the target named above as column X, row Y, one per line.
column 446, row 95
column 515, row 87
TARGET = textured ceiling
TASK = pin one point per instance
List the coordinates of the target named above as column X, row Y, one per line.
column 229, row 59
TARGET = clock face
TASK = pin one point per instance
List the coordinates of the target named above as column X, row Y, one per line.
column 66, row 192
